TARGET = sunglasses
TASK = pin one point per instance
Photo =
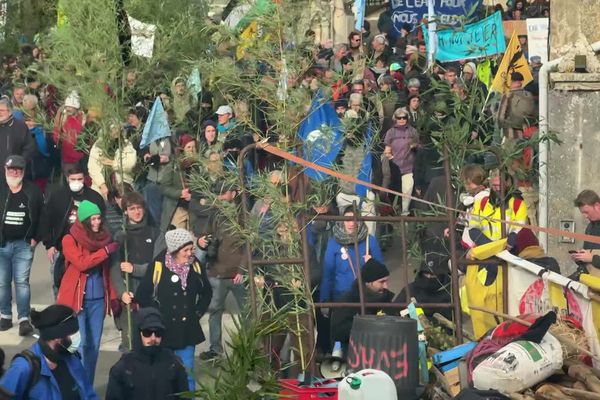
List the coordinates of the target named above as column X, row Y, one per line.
column 149, row 332
column 403, row 117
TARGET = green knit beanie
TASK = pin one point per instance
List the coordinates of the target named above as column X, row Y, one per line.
column 87, row 209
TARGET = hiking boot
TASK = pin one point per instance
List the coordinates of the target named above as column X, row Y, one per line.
column 209, row 355
column 5, row 324
column 25, row 328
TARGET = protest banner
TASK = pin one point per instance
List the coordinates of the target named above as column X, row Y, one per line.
column 446, row 11
column 481, row 39
column 513, row 61
column 534, row 289
column 518, row 27
column 537, row 38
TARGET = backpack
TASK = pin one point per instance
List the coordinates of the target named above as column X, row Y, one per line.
column 58, row 268
column 35, row 366
column 519, row 110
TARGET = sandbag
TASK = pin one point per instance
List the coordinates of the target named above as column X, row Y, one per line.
column 519, row 365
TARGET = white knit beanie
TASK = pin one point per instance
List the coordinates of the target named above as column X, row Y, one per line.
column 177, row 239
column 72, row 100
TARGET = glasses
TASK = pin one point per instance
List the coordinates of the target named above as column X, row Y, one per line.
column 149, row 332
column 402, row 117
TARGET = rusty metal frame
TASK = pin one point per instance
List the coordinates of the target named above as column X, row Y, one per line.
column 449, row 218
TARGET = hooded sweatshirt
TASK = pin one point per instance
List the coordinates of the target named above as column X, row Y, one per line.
column 181, row 103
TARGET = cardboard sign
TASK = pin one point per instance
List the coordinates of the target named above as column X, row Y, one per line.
column 520, row 27
column 537, row 38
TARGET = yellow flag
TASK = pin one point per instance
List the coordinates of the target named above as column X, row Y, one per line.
column 247, row 39
column 513, row 61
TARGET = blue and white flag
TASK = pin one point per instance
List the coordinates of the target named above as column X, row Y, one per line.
column 194, row 84
column 157, row 125
column 359, row 13
column 366, row 166
column 321, row 134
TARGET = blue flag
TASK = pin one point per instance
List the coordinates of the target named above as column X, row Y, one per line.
column 321, row 134
column 157, row 125
column 359, row 6
column 366, row 166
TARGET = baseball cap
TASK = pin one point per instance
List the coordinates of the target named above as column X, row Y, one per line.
column 224, row 110
column 15, row 161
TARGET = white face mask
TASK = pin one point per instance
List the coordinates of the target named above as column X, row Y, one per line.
column 12, row 181
column 75, row 342
column 75, row 186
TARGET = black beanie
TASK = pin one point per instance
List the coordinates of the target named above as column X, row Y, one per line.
column 373, row 270
column 55, row 321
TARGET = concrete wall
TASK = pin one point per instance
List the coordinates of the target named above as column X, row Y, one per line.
column 570, row 19
column 573, row 165
column 573, row 104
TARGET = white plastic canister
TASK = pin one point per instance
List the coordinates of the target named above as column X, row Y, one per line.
column 367, row 384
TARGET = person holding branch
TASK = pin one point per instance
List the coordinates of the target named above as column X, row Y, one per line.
column 339, row 264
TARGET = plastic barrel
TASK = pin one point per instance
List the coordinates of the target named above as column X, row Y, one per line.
column 389, row 344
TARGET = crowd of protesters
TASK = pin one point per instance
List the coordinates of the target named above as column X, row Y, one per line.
column 102, row 205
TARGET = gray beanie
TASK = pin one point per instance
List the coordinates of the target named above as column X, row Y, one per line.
column 177, row 239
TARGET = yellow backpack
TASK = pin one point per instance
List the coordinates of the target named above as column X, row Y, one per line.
column 158, row 266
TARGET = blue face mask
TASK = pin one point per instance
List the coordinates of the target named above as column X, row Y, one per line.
column 75, row 343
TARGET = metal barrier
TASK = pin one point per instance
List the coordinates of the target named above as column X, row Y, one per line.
column 449, row 218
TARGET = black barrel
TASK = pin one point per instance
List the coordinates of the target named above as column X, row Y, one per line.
column 388, row 344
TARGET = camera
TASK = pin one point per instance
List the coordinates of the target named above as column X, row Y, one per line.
column 212, row 249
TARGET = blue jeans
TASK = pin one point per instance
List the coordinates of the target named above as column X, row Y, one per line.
column 153, row 197
column 91, row 323
column 220, row 288
column 187, row 358
column 15, row 264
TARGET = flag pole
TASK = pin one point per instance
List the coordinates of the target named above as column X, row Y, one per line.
column 432, row 27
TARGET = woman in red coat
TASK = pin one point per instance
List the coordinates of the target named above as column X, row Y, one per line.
column 85, row 286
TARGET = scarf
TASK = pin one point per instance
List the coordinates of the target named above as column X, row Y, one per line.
column 344, row 238
column 532, row 252
column 181, row 270
column 92, row 241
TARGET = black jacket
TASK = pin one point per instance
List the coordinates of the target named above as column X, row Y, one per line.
column 181, row 309
column 54, row 224
column 342, row 318
column 16, row 139
column 35, row 201
column 136, row 376
column 144, row 243
column 429, row 290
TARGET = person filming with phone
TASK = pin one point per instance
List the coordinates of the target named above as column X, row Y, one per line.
column 588, row 258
